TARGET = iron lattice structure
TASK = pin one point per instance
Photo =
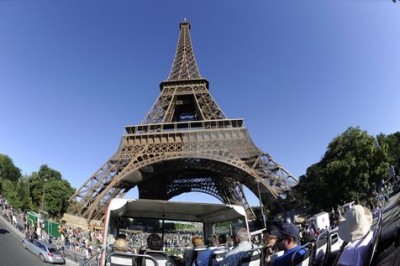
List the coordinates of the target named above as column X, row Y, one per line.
column 185, row 144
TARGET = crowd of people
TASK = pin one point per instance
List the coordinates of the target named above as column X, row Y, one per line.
column 381, row 191
column 9, row 213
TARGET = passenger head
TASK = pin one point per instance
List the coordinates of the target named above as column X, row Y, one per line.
column 212, row 240
column 234, row 240
column 268, row 239
column 287, row 237
column 120, row 245
column 197, row 241
column 222, row 239
column 154, row 242
column 242, row 234
column 356, row 224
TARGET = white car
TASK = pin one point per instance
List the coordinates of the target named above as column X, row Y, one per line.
column 46, row 252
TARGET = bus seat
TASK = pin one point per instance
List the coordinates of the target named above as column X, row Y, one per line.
column 302, row 260
column 196, row 253
column 160, row 256
column 251, row 257
column 218, row 255
column 322, row 248
column 335, row 242
column 127, row 259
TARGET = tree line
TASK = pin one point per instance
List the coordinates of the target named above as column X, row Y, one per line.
column 44, row 190
column 352, row 165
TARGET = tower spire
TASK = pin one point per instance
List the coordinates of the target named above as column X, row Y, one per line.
column 184, row 66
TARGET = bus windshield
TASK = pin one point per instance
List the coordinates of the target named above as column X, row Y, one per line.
column 175, row 222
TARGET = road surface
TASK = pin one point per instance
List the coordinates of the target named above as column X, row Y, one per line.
column 12, row 252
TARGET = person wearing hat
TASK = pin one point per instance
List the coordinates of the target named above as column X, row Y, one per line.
column 121, row 245
column 287, row 240
column 355, row 231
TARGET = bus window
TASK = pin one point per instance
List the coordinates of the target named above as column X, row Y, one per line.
column 228, row 228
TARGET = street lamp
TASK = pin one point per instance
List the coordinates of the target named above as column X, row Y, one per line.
column 41, row 209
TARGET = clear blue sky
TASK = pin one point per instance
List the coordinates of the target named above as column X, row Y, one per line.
column 74, row 73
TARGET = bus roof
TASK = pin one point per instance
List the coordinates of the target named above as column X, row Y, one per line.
column 172, row 210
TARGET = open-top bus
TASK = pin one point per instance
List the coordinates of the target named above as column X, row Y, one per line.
column 175, row 222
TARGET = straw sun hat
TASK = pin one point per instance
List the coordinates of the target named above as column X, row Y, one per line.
column 356, row 224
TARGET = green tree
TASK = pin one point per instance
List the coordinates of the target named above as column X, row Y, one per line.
column 46, row 173
column 17, row 193
column 56, row 195
column 10, row 179
column 36, row 189
column 392, row 144
column 352, row 162
column 41, row 186
column 10, row 192
column 8, row 171
column 24, row 199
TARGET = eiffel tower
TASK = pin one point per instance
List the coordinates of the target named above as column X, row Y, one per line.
column 185, row 144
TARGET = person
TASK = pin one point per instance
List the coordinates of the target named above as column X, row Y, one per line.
column 34, row 234
column 232, row 256
column 204, row 257
column 189, row 256
column 355, row 231
column 26, row 232
column 154, row 248
column 311, row 240
column 121, row 245
column 154, row 242
column 14, row 220
column 86, row 255
column 242, row 237
column 287, row 240
column 222, row 240
column 25, row 219
column 269, row 242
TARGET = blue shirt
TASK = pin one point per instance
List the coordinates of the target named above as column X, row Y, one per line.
column 231, row 260
column 284, row 260
column 204, row 257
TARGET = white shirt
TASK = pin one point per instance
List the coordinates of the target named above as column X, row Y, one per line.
column 86, row 253
column 356, row 252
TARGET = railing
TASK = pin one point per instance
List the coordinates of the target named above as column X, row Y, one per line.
column 183, row 126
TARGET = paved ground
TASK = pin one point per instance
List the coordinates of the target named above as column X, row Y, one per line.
column 11, row 252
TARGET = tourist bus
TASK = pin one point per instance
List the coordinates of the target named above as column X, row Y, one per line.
column 175, row 222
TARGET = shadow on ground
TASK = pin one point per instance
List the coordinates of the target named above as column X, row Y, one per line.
column 4, row 231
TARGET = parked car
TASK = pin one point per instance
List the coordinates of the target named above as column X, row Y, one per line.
column 46, row 252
